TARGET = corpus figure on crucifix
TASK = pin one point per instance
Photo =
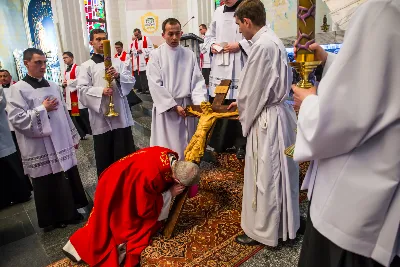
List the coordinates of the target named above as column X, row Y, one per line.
column 195, row 149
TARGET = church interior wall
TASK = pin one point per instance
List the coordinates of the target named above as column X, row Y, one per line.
column 282, row 16
column 137, row 10
column 12, row 33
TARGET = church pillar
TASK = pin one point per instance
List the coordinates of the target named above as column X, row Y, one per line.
column 70, row 24
column 116, row 22
column 192, row 11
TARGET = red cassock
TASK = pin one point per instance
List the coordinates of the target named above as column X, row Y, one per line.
column 128, row 202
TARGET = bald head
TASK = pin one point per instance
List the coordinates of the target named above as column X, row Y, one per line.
column 188, row 173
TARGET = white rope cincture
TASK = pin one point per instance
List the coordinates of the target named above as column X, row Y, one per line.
column 255, row 166
column 263, row 123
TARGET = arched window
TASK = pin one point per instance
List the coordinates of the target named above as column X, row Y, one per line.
column 95, row 15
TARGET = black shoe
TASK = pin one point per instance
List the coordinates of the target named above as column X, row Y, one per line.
column 22, row 200
column 78, row 219
column 146, row 92
column 70, row 257
column 231, row 150
column 59, row 225
column 240, row 153
column 245, row 240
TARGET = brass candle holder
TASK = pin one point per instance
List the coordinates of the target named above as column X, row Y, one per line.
column 305, row 63
column 108, row 64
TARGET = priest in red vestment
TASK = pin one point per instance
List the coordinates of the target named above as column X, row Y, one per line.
column 132, row 198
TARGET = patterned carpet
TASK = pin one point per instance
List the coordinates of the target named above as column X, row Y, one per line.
column 205, row 233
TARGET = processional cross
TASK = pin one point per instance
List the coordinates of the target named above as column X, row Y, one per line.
column 208, row 115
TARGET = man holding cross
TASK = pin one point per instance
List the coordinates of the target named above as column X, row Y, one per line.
column 270, row 208
column 175, row 81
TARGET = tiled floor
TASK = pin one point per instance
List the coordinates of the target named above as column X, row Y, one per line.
column 23, row 243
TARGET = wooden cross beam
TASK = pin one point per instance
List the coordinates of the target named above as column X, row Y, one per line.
column 217, row 105
column 220, row 94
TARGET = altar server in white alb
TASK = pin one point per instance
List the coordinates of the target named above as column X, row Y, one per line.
column 15, row 187
column 350, row 130
column 132, row 98
column 141, row 48
column 175, row 81
column 270, row 208
column 78, row 112
column 47, row 139
column 227, row 62
column 112, row 136
column 205, row 58
column 229, row 52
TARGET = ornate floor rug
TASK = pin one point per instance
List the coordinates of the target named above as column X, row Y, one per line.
column 205, row 233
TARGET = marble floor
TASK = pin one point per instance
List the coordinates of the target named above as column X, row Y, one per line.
column 23, row 243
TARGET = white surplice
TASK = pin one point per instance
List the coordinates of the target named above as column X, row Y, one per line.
column 351, row 131
column 143, row 56
column 6, row 92
column 7, row 146
column 270, row 208
column 223, row 29
column 174, row 79
column 205, row 51
column 46, row 139
column 91, row 84
column 71, row 87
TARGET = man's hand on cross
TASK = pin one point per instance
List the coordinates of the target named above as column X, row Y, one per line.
column 181, row 111
column 232, row 105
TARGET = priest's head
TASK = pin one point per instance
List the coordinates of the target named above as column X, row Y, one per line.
column 68, row 58
column 230, row 3
column 35, row 62
column 5, row 77
column 172, row 32
column 119, row 46
column 185, row 172
column 137, row 34
column 203, row 29
column 97, row 36
column 251, row 17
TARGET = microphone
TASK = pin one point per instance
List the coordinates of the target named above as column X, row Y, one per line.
column 188, row 21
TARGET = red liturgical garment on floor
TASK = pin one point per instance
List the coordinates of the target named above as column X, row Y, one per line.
column 128, row 202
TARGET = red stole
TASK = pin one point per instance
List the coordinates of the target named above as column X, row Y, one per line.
column 144, row 45
column 73, row 95
column 201, row 60
column 127, row 205
column 122, row 57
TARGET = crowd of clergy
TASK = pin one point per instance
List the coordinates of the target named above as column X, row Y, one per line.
column 348, row 127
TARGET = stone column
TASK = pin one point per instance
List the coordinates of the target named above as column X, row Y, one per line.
column 70, row 24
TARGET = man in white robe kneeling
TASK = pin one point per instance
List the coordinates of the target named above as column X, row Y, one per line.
column 175, row 81
column 270, row 208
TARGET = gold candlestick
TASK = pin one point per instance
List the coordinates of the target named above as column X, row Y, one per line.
column 305, row 63
column 108, row 64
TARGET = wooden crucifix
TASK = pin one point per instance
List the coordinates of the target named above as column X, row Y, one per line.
column 208, row 115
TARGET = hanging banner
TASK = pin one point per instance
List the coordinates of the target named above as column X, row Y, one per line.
column 149, row 22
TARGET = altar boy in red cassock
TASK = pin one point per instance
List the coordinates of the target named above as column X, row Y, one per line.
column 132, row 197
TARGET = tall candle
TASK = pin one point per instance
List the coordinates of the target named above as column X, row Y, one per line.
column 107, row 53
column 305, row 30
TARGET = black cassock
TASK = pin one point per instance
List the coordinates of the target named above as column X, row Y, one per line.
column 57, row 195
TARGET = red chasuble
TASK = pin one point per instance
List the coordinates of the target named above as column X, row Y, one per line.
column 127, row 205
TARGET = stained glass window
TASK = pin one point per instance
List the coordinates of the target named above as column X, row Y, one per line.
column 95, row 15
